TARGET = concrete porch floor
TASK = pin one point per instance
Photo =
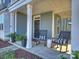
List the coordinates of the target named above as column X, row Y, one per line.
column 47, row 53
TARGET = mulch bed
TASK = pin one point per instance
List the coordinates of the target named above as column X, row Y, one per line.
column 22, row 53
column 4, row 44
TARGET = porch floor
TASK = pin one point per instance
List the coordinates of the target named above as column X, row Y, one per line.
column 44, row 52
column 47, row 53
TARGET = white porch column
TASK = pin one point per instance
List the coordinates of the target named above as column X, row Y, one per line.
column 75, row 25
column 12, row 23
column 53, row 25
column 29, row 26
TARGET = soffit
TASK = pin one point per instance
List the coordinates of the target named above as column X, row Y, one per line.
column 57, row 6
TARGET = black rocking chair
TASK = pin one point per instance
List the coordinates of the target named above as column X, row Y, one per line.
column 42, row 37
column 63, row 39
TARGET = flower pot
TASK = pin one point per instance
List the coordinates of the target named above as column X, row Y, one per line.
column 24, row 43
column 13, row 39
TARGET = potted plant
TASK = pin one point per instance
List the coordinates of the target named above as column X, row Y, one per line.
column 63, row 57
column 22, row 39
column 12, row 36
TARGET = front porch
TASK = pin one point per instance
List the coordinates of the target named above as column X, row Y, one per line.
column 42, row 52
column 47, row 18
column 30, row 18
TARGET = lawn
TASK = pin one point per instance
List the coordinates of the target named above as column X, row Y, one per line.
column 18, row 54
column 9, row 55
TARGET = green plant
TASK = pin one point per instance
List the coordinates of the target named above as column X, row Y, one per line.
column 8, row 55
column 63, row 57
column 12, row 36
column 20, row 37
column 76, row 54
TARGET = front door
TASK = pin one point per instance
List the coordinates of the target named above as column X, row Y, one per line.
column 36, row 28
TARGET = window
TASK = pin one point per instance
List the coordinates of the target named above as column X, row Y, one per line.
column 0, row 1
column 3, row 1
column 1, row 26
column 1, row 21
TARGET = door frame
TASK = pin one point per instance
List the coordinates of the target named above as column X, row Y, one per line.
column 36, row 16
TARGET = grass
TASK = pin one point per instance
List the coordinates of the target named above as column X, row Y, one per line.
column 75, row 54
column 8, row 55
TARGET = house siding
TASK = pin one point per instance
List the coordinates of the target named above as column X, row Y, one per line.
column 4, row 4
column 2, row 21
column 6, row 24
column 21, row 23
column 46, row 23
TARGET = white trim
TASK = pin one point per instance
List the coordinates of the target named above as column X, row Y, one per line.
column 1, row 11
column 34, row 23
column 36, row 17
column 53, row 25
column 18, row 5
column 15, row 21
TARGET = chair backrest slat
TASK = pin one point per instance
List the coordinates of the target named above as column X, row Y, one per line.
column 64, row 36
column 43, row 34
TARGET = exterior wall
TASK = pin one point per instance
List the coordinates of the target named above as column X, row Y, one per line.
column 62, row 24
column 21, row 23
column 2, row 21
column 4, row 4
column 66, row 26
column 46, row 23
column 1, row 34
column 57, row 25
column 6, row 24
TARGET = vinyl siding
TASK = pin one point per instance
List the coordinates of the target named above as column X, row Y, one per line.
column 46, row 23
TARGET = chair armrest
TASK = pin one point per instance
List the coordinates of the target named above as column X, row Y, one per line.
column 36, row 38
column 54, row 39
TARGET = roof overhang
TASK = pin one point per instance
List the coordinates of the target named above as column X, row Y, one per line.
column 18, row 4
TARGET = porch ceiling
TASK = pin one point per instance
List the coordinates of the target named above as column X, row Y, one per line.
column 61, row 7
column 23, row 9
